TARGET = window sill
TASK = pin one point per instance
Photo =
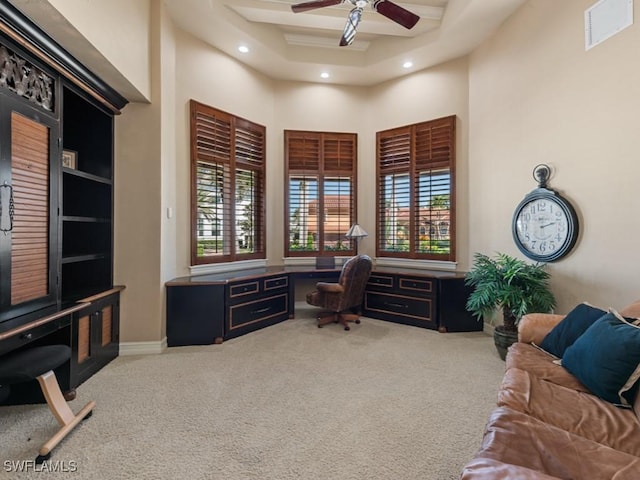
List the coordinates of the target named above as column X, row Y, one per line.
column 226, row 267
column 412, row 263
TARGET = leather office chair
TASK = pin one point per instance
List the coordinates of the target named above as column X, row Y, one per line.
column 342, row 298
column 39, row 363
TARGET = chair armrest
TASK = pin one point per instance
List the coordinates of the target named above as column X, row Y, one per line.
column 329, row 287
column 533, row 327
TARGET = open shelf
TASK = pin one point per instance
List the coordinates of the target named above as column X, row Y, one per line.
column 85, row 278
column 88, row 131
column 88, row 176
column 83, row 197
column 87, row 197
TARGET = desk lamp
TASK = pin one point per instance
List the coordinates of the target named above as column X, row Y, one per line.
column 356, row 232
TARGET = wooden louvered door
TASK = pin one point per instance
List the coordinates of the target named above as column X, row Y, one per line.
column 28, row 220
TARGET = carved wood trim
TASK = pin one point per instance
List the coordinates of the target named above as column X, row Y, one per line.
column 20, row 76
column 29, row 36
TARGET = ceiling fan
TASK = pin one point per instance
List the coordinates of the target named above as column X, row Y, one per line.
column 389, row 9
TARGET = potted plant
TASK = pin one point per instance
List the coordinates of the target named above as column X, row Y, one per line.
column 515, row 286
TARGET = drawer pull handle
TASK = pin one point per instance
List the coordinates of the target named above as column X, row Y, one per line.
column 399, row 305
column 261, row 310
column 26, row 336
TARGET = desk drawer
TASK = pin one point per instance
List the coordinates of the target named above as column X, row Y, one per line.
column 242, row 292
column 378, row 280
column 254, row 313
column 28, row 336
column 415, row 286
column 275, row 283
column 399, row 308
column 244, row 288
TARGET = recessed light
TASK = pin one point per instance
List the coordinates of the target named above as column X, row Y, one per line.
column 243, row 49
column 407, row 64
column 324, row 75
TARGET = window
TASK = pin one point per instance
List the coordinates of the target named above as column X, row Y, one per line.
column 320, row 171
column 415, row 191
column 228, row 170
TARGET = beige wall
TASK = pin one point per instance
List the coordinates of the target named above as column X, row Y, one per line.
column 144, row 153
column 119, row 29
column 536, row 97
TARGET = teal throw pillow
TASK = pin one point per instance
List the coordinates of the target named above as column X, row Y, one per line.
column 606, row 359
column 574, row 324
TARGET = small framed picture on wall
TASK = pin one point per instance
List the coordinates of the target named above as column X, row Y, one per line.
column 70, row 159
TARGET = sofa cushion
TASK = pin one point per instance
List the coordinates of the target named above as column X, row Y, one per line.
column 490, row 469
column 574, row 324
column 540, row 364
column 606, row 358
column 580, row 413
column 515, row 438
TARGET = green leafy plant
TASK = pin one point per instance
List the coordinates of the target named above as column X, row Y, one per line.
column 509, row 283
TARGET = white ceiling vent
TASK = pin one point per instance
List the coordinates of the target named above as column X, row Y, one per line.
column 606, row 18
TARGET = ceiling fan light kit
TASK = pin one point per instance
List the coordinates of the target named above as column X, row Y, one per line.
column 387, row 8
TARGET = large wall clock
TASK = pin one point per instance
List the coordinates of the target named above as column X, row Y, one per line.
column 545, row 225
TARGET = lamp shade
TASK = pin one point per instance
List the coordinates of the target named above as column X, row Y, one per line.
column 356, row 231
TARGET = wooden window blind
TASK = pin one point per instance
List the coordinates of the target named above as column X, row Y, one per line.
column 416, row 191
column 320, row 169
column 228, row 186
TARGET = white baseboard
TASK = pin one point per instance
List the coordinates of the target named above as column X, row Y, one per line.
column 143, row 348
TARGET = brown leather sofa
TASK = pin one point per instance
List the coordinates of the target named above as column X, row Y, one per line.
column 547, row 424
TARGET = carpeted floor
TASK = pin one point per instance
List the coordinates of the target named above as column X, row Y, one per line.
column 292, row 402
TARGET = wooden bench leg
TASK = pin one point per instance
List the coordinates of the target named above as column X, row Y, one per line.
column 60, row 409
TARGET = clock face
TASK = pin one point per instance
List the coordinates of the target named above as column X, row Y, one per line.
column 544, row 227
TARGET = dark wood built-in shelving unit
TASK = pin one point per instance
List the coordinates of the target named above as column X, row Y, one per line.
column 56, row 249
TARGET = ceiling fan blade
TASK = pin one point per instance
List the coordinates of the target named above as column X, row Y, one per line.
column 351, row 27
column 303, row 7
column 396, row 13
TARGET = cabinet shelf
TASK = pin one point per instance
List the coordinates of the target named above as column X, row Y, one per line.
column 83, row 257
column 88, row 176
column 75, row 218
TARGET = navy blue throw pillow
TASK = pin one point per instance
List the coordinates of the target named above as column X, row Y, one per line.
column 606, row 359
column 570, row 328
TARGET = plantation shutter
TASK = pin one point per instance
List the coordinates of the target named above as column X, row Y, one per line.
column 250, row 190
column 321, row 171
column 228, row 169
column 394, row 193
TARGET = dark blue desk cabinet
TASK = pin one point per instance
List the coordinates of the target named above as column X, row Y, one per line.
column 206, row 309
column 423, row 298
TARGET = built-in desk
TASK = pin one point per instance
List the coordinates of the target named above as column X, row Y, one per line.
column 206, row 309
